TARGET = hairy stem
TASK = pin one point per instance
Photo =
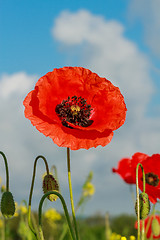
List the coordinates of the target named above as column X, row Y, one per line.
column 31, row 192
column 64, row 207
column 138, row 206
column 71, row 194
column 7, row 171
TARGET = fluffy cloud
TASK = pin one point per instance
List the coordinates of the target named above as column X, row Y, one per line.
column 17, row 83
column 147, row 11
column 75, row 28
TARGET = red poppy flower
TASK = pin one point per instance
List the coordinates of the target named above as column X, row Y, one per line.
column 151, row 167
column 127, row 167
column 127, row 170
column 76, row 108
column 149, row 226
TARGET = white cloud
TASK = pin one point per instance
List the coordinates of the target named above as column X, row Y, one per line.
column 147, row 11
column 86, row 26
column 17, row 83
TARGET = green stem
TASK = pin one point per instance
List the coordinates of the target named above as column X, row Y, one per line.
column 7, row 171
column 41, row 233
column 71, row 194
column 138, row 214
column 143, row 230
column 137, row 192
column 31, row 192
column 64, row 207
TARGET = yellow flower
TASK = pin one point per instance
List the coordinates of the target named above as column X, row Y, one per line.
column 23, row 209
column 123, row 238
column 115, row 236
column 132, row 237
column 118, row 236
column 52, row 215
column 3, row 188
column 88, row 189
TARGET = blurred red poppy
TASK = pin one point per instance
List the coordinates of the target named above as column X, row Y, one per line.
column 151, row 229
column 151, row 164
column 125, row 171
column 151, row 167
column 127, row 167
column 76, row 108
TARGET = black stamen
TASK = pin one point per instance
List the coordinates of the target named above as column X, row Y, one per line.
column 152, row 179
column 74, row 110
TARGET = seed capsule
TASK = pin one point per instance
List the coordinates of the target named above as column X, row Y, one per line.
column 155, row 227
column 7, row 205
column 144, row 205
column 50, row 184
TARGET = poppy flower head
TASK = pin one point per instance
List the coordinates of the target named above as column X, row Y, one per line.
column 76, row 108
column 152, row 177
column 127, row 167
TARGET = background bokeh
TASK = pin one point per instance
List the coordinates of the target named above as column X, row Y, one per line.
column 118, row 40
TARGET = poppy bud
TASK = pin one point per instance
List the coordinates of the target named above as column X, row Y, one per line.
column 155, row 227
column 50, row 184
column 144, row 205
column 7, row 205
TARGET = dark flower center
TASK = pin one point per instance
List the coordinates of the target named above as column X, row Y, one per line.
column 152, row 179
column 74, row 110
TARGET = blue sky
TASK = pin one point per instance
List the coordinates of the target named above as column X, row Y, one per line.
column 28, row 24
column 26, row 31
column 116, row 39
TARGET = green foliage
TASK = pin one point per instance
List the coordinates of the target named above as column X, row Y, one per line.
column 92, row 232
column 91, row 228
column 24, row 231
column 124, row 225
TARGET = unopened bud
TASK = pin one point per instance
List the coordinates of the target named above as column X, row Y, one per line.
column 155, row 227
column 144, row 205
column 7, row 205
column 50, row 184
